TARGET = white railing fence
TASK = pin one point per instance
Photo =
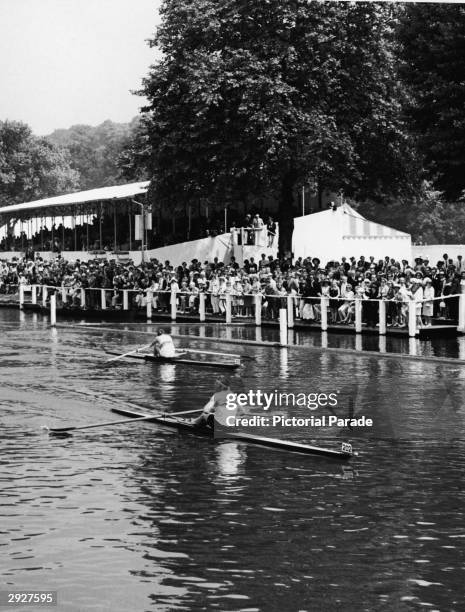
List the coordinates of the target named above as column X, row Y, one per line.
column 321, row 311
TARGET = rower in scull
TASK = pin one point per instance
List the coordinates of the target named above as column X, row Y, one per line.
column 216, row 409
column 163, row 345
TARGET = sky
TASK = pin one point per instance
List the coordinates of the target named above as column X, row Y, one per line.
column 64, row 62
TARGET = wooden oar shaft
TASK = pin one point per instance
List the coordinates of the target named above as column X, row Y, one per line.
column 140, row 348
column 210, row 353
column 108, row 423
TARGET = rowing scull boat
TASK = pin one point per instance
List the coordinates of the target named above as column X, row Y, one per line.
column 285, row 445
column 195, row 362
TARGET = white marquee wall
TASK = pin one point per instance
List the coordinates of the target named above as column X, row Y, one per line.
column 332, row 234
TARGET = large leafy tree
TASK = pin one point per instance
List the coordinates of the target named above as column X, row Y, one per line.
column 134, row 156
column 95, row 151
column 433, row 42
column 254, row 98
column 31, row 167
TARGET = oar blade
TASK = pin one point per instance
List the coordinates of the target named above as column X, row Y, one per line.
column 61, row 433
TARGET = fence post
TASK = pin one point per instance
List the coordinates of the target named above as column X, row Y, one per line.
column 324, row 340
column 358, row 316
column 173, row 305
column 282, row 326
column 412, row 346
column 228, row 308
column 33, row 294
column 148, row 297
column 21, row 297
column 258, row 309
column 202, row 297
column 53, row 310
column 44, row 295
column 461, row 326
column 103, row 299
column 412, row 319
column 290, row 311
column 324, row 313
column 83, row 297
column 382, row 318
column 125, row 299
column 382, row 344
column 63, row 294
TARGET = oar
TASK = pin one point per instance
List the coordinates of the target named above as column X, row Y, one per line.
column 209, row 352
column 218, row 354
column 129, row 353
column 54, row 430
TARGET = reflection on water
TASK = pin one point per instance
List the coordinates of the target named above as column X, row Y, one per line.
column 140, row 518
column 230, row 458
column 284, row 363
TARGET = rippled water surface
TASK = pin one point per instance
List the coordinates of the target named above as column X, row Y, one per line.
column 135, row 517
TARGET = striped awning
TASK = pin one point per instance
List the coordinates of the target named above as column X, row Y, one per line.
column 356, row 226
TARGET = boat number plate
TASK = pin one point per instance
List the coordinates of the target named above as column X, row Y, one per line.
column 346, row 447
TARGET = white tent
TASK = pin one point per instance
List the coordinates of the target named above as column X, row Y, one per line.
column 343, row 232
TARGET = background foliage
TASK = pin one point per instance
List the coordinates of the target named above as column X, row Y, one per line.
column 250, row 101
column 31, row 167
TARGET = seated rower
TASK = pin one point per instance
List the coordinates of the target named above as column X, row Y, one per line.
column 163, row 345
column 216, row 408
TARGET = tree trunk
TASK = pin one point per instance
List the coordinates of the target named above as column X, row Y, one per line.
column 286, row 213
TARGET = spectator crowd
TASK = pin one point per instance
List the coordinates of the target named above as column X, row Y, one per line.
column 431, row 285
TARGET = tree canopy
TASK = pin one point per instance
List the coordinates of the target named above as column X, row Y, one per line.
column 252, row 99
column 433, row 54
column 95, row 151
column 30, row 167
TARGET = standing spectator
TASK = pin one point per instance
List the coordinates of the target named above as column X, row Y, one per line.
column 174, row 290
column 193, row 297
column 247, row 297
column 389, row 294
column 334, row 303
column 258, row 226
column 222, row 290
column 183, row 296
column 271, row 229
column 348, row 306
column 248, row 233
column 438, row 286
column 404, row 296
column 428, row 303
column 214, row 289
column 417, row 295
column 237, row 299
column 454, row 301
column 371, row 306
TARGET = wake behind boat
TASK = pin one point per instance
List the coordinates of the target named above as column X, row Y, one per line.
column 188, row 426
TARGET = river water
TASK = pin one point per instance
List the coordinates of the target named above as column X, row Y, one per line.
column 136, row 518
